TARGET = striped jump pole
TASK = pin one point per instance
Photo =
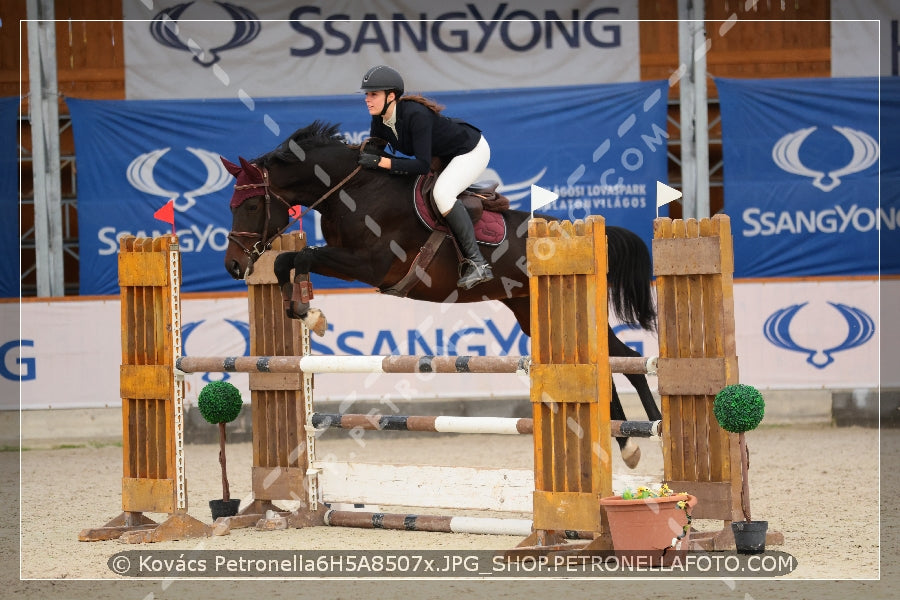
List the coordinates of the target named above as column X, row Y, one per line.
column 433, row 523
column 449, row 424
column 387, row 364
column 438, row 523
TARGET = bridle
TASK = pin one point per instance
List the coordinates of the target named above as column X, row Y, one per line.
column 243, row 238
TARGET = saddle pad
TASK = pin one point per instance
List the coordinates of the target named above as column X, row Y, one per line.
column 490, row 229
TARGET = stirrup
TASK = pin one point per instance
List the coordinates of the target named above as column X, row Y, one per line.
column 475, row 274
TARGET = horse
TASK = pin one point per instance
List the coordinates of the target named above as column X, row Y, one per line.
column 373, row 235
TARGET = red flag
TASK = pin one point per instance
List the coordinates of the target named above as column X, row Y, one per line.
column 167, row 214
column 296, row 212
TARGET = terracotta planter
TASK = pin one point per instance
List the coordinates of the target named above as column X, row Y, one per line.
column 648, row 529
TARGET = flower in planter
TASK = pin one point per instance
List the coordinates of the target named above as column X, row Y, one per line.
column 664, row 491
column 645, row 492
column 651, row 522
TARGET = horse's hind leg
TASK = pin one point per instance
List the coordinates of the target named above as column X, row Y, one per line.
column 618, row 348
column 631, row 452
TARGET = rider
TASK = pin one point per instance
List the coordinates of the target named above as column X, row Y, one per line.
column 415, row 126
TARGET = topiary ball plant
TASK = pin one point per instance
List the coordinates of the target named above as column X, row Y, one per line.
column 220, row 403
column 739, row 408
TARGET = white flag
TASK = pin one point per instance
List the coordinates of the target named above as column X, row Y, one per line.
column 541, row 197
column 665, row 194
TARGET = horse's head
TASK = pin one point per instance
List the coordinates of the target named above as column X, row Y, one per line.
column 306, row 169
column 259, row 214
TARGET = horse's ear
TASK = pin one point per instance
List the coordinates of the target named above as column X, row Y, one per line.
column 230, row 166
column 251, row 169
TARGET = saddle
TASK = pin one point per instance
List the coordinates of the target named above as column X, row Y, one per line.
column 481, row 200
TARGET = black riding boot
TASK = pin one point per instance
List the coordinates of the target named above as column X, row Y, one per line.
column 474, row 269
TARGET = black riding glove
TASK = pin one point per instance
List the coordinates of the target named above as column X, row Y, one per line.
column 369, row 161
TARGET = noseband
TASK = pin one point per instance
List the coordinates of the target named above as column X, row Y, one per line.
column 264, row 241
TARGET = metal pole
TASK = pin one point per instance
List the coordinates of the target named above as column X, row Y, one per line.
column 686, row 111
column 44, row 109
column 693, row 112
column 701, row 117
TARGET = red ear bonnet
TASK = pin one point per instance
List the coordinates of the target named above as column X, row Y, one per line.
column 247, row 174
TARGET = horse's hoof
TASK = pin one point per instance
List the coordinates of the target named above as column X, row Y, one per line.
column 631, row 454
column 316, row 321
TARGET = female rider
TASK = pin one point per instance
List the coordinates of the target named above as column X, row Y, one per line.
column 414, row 126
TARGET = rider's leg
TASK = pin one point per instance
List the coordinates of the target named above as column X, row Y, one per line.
column 459, row 174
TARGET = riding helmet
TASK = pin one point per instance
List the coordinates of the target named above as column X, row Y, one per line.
column 382, row 78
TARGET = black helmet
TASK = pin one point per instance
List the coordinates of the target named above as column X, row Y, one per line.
column 382, row 78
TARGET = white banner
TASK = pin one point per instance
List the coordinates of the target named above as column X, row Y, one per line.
column 792, row 335
column 855, row 47
column 207, row 49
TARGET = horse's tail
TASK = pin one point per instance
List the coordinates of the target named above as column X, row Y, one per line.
column 630, row 272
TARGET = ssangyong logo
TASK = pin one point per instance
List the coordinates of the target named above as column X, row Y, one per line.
column 245, row 26
column 140, row 176
column 193, row 236
column 860, row 329
column 786, row 154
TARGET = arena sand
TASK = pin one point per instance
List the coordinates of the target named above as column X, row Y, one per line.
column 816, row 484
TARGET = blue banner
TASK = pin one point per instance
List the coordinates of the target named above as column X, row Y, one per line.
column 801, row 166
column 601, row 148
column 890, row 175
column 9, row 197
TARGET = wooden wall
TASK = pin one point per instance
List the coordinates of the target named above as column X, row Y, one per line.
column 90, row 56
column 765, row 40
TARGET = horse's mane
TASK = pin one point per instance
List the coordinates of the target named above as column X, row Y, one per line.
column 316, row 134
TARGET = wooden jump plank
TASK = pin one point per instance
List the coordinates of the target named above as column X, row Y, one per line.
column 448, row 487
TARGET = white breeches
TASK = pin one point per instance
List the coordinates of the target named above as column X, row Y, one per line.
column 460, row 173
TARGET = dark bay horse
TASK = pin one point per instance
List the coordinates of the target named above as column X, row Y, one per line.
column 372, row 235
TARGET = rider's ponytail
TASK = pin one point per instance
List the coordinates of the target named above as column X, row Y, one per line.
column 426, row 102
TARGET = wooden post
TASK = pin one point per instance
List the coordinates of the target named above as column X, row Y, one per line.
column 281, row 445
column 571, row 382
column 152, row 396
column 694, row 264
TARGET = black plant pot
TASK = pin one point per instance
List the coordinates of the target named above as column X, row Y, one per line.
column 750, row 536
column 222, row 508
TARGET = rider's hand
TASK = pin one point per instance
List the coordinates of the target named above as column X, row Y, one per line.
column 369, row 161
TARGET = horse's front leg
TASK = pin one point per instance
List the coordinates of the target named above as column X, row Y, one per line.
column 324, row 260
column 297, row 293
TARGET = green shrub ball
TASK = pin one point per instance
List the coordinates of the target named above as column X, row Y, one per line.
column 220, row 402
column 739, row 408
